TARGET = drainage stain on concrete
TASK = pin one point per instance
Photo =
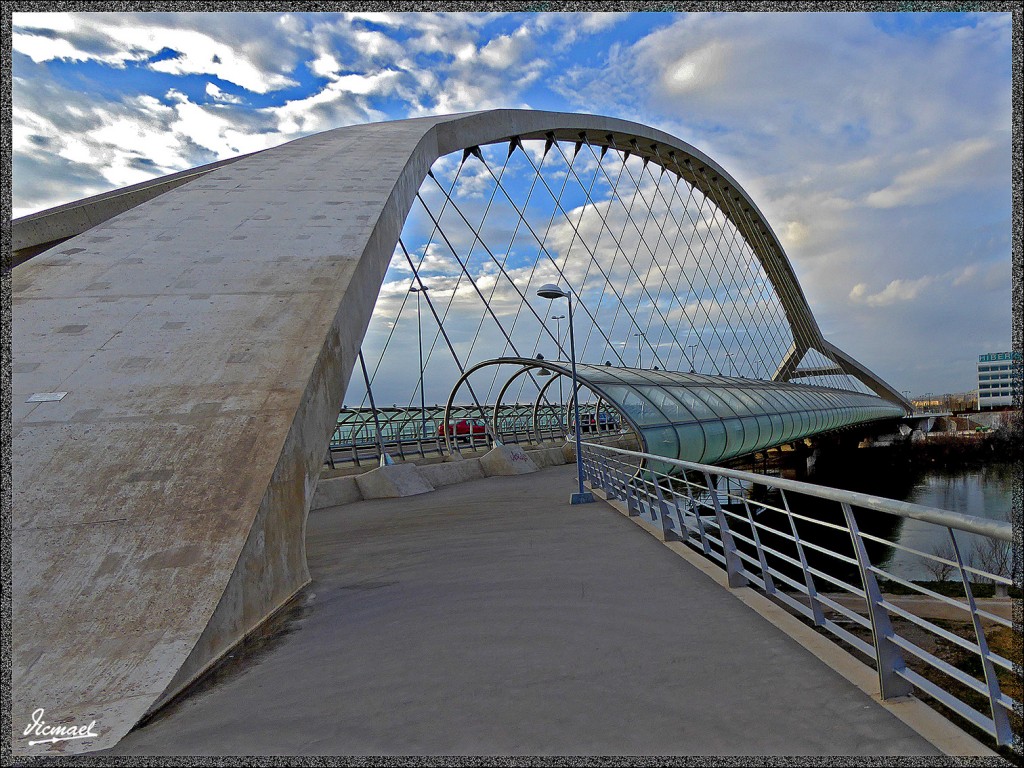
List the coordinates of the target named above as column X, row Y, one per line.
column 243, row 658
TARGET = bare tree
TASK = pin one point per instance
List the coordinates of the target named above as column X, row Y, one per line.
column 937, row 568
column 995, row 557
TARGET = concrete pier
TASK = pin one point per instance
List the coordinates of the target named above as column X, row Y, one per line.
column 491, row 617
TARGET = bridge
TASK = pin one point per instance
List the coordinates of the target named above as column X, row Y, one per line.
column 184, row 351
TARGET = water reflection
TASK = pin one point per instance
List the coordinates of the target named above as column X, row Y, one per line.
column 983, row 492
column 821, row 535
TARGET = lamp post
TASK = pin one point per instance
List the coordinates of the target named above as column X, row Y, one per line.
column 558, row 332
column 419, row 327
column 731, row 369
column 639, row 347
column 551, row 291
column 692, row 347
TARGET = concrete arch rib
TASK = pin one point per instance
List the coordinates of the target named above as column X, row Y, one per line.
column 205, row 338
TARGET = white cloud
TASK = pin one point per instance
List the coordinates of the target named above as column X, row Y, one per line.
column 217, row 94
column 254, row 64
column 324, row 65
column 896, row 291
column 935, row 173
column 39, row 48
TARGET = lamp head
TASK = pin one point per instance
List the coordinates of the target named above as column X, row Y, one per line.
column 551, row 291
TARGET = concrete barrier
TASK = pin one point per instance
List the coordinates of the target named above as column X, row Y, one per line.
column 335, row 491
column 393, row 481
column 548, row 457
column 507, row 460
column 452, row 472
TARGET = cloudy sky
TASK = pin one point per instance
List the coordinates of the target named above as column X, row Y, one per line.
column 878, row 145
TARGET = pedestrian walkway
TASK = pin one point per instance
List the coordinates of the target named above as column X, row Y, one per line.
column 494, row 618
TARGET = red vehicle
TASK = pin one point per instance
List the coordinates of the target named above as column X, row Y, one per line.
column 601, row 423
column 463, row 429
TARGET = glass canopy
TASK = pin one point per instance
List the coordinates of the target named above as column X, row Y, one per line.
column 708, row 419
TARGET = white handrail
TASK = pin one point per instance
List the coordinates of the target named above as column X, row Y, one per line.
column 968, row 523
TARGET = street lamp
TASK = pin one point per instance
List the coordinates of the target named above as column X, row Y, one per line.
column 558, row 330
column 551, row 291
column 692, row 347
column 731, row 367
column 419, row 327
column 558, row 333
column 639, row 347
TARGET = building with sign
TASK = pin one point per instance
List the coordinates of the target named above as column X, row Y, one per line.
column 998, row 379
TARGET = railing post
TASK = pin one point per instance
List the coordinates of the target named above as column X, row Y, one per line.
column 684, row 532
column 812, row 592
column 769, row 585
column 733, row 563
column 596, row 466
column 646, row 499
column 1000, row 718
column 632, row 503
column 667, row 532
column 585, row 464
column 888, row 657
column 622, row 483
column 606, row 482
column 695, row 505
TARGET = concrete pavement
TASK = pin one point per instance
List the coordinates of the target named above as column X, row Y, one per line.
column 493, row 618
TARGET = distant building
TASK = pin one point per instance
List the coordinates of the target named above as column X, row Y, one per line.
column 997, row 380
column 928, row 403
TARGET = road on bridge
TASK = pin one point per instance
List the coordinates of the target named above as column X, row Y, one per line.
column 494, row 618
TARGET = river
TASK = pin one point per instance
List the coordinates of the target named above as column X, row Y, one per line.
column 985, row 492
column 981, row 491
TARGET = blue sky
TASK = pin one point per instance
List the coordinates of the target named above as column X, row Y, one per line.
column 878, row 145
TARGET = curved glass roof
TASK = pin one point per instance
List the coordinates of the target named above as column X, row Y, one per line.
column 708, row 419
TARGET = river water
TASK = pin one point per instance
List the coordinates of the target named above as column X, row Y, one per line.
column 985, row 492
column 981, row 491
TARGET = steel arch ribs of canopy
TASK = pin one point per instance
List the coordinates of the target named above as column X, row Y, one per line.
column 708, row 419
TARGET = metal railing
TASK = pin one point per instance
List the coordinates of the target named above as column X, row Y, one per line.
column 410, row 433
column 821, row 552
column 407, row 433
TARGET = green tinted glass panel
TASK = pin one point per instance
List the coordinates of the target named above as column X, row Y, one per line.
column 694, row 404
column 662, row 441
column 691, row 441
column 734, row 433
column 632, row 404
column 768, row 432
column 752, row 430
column 737, row 405
column 714, row 435
column 715, row 403
column 663, row 399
